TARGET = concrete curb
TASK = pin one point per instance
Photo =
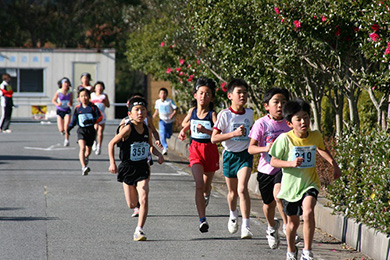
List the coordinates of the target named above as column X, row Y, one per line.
column 357, row 235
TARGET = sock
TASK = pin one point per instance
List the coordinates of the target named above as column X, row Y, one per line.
column 271, row 229
column 137, row 229
column 201, row 220
column 234, row 214
column 307, row 252
column 245, row 222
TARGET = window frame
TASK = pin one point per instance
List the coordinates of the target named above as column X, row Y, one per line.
column 16, row 87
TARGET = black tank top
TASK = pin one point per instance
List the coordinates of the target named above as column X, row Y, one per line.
column 207, row 122
column 136, row 147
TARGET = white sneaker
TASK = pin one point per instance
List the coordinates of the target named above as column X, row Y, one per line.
column 94, row 146
column 232, row 226
column 8, row 131
column 136, row 212
column 164, row 151
column 139, row 235
column 66, row 142
column 85, row 170
column 307, row 256
column 246, row 233
column 273, row 237
column 206, row 200
column 98, row 151
column 293, row 257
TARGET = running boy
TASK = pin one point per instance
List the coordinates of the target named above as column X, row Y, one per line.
column 134, row 170
column 166, row 109
column 295, row 153
column 204, row 156
column 85, row 116
column 232, row 129
column 263, row 134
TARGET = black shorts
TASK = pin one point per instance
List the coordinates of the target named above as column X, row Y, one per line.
column 295, row 208
column 131, row 173
column 62, row 114
column 88, row 134
column 266, row 185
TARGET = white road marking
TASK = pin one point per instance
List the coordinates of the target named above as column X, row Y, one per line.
column 56, row 147
column 178, row 173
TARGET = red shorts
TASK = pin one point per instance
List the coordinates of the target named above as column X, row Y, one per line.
column 205, row 154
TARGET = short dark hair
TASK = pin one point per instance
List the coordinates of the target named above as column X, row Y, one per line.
column 236, row 83
column 163, row 89
column 86, row 74
column 6, row 76
column 86, row 91
column 294, row 106
column 200, row 82
column 59, row 83
column 273, row 91
column 101, row 83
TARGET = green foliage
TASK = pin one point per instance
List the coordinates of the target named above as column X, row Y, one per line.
column 363, row 191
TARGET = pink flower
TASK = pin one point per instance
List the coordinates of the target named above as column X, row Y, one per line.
column 178, row 69
column 223, row 86
column 198, row 62
column 374, row 37
column 181, row 61
column 338, row 31
column 297, row 24
column 375, row 27
column 387, row 51
column 162, row 44
column 169, row 70
column 315, row 17
column 282, row 20
column 181, row 73
column 189, row 65
column 323, row 19
column 190, row 78
column 277, row 10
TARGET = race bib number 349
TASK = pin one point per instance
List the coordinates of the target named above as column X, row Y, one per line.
column 308, row 153
column 139, row 151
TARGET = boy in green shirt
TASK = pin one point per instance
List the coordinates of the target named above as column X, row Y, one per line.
column 295, row 153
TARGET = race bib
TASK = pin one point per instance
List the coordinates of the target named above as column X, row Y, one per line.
column 194, row 131
column 164, row 109
column 101, row 106
column 308, row 153
column 83, row 117
column 139, row 151
column 64, row 103
column 245, row 137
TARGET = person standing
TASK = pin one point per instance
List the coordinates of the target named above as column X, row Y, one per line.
column 7, row 103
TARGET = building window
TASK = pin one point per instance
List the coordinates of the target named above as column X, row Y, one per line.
column 25, row 80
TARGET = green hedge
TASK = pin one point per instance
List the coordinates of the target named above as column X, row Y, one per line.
column 363, row 191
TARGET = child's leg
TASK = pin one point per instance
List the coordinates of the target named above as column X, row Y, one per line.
column 291, row 231
column 232, row 184
column 60, row 124
column 66, row 126
column 163, row 137
column 243, row 176
column 269, row 213
column 131, row 195
column 100, row 129
column 309, row 224
column 198, row 173
column 143, row 195
column 207, row 179
column 279, row 203
column 82, row 152
column 88, row 150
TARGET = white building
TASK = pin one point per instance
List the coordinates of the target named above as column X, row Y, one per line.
column 35, row 73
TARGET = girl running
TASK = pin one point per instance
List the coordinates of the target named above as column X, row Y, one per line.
column 204, row 156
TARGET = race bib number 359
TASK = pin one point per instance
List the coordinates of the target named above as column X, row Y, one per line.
column 308, row 153
column 139, row 151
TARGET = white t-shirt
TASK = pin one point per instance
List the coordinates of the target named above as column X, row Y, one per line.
column 229, row 120
column 165, row 109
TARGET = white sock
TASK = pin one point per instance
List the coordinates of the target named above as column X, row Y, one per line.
column 138, row 229
column 234, row 214
column 245, row 222
column 271, row 229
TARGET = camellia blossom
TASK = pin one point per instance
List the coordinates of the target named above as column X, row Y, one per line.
column 277, row 10
column 169, row 70
column 198, row 62
column 178, row 69
column 190, row 78
column 297, row 24
column 387, row 51
column 323, row 19
column 162, row 44
column 223, row 86
column 181, row 73
column 181, row 61
column 374, row 37
column 375, row 27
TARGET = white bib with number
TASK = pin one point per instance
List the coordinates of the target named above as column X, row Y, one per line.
column 194, row 131
column 308, row 153
column 83, row 117
column 243, row 138
column 139, row 151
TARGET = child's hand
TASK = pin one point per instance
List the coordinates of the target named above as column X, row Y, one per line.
column 113, row 168
column 160, row 159
column 297, row 162
column 269, row 145
column 336, row 172
column 158, row 143
column 240, row 131
column 200, row 128
column 59, row 104
column 182, row 135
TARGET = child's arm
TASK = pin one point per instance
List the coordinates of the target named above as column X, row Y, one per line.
column 329, row 158
column 106, row 102
column 124, row 132
column 154, row 151
column 70, row 104
column 173, row 113
column 54, row 100
column 277, row 163
column 254, row 147
column 155, row 113
column 74, row 121
column 217, row 137
column 186, row 124
column 154, row 131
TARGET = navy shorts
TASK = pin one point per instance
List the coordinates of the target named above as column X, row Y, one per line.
column 266, row 185
column 131, row 173
column 295, row 208
column 62, row 114
column 88, row 134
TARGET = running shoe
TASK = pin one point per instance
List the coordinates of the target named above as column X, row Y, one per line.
column 139, row 235
column 204, row 227
column 246, row 233
column 136, row 212
column 8, row 131
column 206, row 200
column 164, row 151
column 293, row 257
column 273, row 237
column 97, row 152
column 94, row 146
column 85, row 170
column 307, row 256
column 66, row 142
column 232, row 226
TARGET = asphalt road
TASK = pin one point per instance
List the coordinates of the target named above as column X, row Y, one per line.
column 49, row 211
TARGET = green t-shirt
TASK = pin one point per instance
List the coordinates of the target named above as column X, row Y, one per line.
column 296, row 181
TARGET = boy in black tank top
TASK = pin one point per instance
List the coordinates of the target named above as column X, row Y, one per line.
column 134, row 171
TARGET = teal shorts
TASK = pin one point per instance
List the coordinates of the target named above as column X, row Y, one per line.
column 233, row 162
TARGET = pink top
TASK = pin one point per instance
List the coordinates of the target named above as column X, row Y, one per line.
column 265, row 130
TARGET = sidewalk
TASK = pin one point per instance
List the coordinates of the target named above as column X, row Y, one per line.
column 335, row 233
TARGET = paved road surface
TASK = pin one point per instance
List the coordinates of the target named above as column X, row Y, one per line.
column 49, row 211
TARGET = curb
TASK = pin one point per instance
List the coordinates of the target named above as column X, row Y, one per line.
column 357, row 235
